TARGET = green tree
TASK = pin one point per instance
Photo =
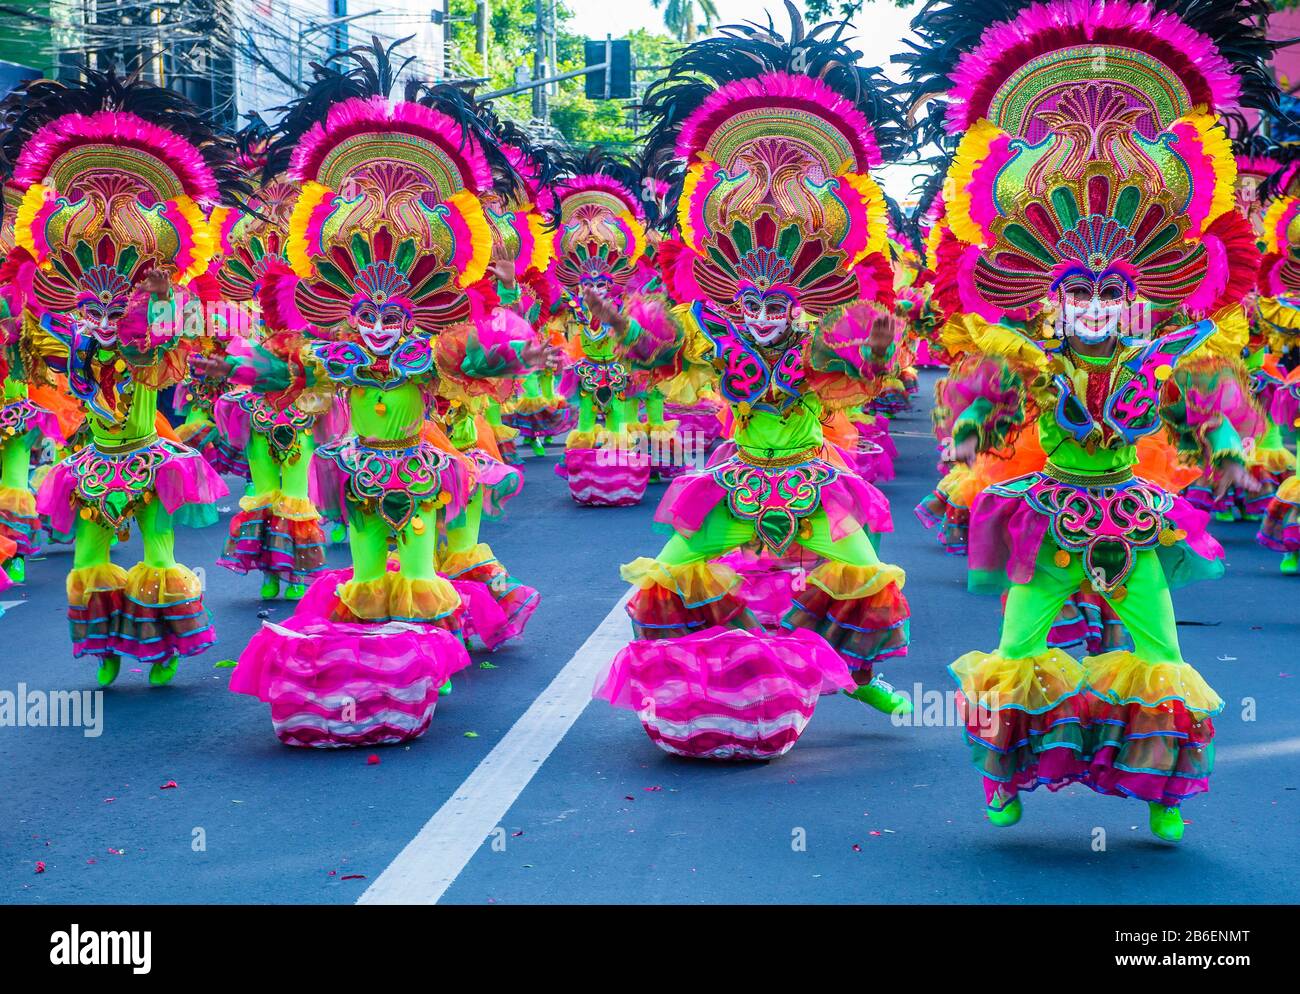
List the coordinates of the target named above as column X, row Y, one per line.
column 682, row 19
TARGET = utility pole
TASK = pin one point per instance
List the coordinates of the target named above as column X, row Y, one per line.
column 539, row 60
column 481, row 30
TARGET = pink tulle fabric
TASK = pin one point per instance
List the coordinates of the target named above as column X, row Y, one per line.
column 180, row 479
column 849, row 501
column 336, row 685
column 608, row 480
column 724, row 693
column 1006, row 534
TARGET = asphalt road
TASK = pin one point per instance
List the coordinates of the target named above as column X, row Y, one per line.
column 860, row 811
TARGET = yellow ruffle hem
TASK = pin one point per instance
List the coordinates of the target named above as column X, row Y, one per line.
column 1035, row 684
column 256, row 502
column 18, row 502
column 848, row 582
column 1121, row 677
column 160, row 585
column 695, row 583
column 98, row 579
column 456, row 563
column 295, row 508
column 394, row 597
column 1289, row 491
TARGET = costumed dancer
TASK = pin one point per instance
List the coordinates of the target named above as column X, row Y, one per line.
column 786, row 273
column 23, row 419
column 117, row 175
column 1279, row 321
column 1270, row 462
column 600, row 242
column 1092, row 177
column 498, row 605
column 389, row 246
column 277, row 531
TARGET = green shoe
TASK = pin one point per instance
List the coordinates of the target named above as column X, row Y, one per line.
column 161, row 673
column 1290, row 563
column 1007, row 815
column 270, row 588
column 1226, row 517
column 539, row 447
column 109, row 667
column 882, row 697
column 445, row 689
column 339, row 534
column 294, row 591
column 1166, row 823
column 16, row 569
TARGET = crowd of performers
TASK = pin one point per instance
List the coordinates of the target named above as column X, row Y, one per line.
column 368, row 312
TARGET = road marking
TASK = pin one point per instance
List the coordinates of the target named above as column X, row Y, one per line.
column 1261, row 750
column 424, row 870
column 10, row 605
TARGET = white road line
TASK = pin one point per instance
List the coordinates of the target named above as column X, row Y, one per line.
column 1261, row 750
column 424, row 870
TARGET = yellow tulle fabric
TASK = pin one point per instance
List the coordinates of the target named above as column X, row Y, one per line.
column 14, row 500
column 394, row 596
column 504, row 433
column 158, row 585
column 846, row 581
column 1034, row 683
column 695, row 583
column 1272, row 460
column 531, row 405
column 455, row 563
column 1289, row 491
column 1121, row 677
column 295, row 508
column 1275, row 312
column 89, row 580
column 255, row 502
column 665, row 430
column 581, row 439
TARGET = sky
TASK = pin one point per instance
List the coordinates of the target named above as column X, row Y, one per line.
column 880, row 29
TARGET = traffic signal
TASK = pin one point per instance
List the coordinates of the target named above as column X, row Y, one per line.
column 619, row 72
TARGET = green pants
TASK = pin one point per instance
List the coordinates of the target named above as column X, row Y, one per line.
column 1146, row 609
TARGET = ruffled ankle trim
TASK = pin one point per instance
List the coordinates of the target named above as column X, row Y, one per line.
column 18, row 502
column 1122, row 677
column 672, row 601
column 694, row 584
column 295, row 509
column 845, row 581
column 256, row 502
column 99, row 579
column 158, row 586
column 475, row 557
column 1035, row 684
column 394, row 597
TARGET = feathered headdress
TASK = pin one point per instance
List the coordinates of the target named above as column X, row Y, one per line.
column 252, row 241
column 1090, row 143
column 776, row 139
column 117, row 177
column 389, row 206
column 519, row 216
column 600, row 225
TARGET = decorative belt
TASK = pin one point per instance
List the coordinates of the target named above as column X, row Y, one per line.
column 126, row 447
column 780, row 462
column 390, row 444
column 1088, row 480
